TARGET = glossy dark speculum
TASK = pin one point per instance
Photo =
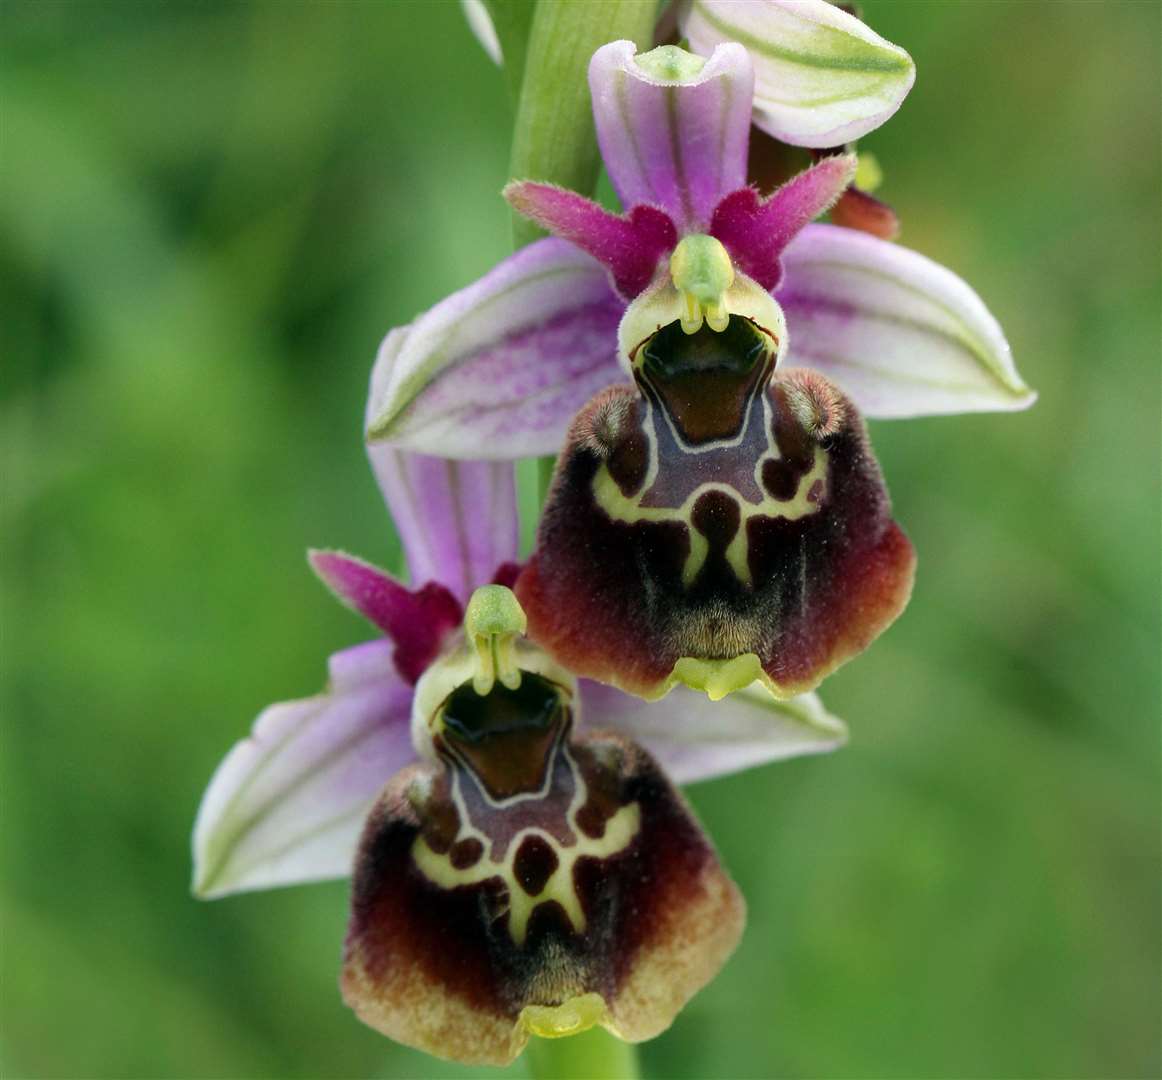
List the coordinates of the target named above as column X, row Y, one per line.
column 717, row 509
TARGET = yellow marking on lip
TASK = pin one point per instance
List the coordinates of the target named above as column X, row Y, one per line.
column 620, row 830
column 629, row 509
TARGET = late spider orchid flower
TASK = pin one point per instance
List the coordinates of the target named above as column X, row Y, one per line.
column 822, row 77
column 528, row 868
column 719, row 521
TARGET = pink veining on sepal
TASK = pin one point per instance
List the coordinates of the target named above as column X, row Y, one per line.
column 901, row 334
column 679, row 143
column 286, row 805
column 630, row 246
column 755, row 231
column 455, row 519
column 495, row 371
column 417, row 622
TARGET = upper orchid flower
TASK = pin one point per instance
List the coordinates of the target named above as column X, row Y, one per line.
column 506, row 798
column 822, row 77
column 719, row 521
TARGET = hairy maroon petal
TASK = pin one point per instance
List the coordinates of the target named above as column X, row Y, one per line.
column 506, row 574
column 417, row 622
column 858, row 210
column 675, row 547
column 755, row 231
column 630, row 246
column 488, row 895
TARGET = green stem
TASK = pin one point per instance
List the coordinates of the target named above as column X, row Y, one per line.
column 512, row 20
column 592, row 1055
column 554, row 139
column 545, row 467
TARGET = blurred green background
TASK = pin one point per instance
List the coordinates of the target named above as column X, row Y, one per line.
column 211, row 214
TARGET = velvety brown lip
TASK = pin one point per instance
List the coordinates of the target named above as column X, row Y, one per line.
column 436, row 965
column 613, row 599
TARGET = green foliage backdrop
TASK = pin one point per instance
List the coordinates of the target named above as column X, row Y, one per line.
column 210, row 215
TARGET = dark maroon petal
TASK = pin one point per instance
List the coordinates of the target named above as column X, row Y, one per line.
column 713, row 518
column 858, row 210
column 755, row 231
column 771, row 163
column 630, row 246
column 531, row 874
column 506, row 574
column 417, row 622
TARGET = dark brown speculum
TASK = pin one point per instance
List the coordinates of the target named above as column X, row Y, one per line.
column 717, row 513
column 530, row 874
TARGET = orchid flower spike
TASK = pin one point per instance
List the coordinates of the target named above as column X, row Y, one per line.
column 721, row 518
column 822, row 77
column 512, row 789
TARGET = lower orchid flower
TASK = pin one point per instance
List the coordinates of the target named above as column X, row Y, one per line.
column 529, row 868
column 721, row 518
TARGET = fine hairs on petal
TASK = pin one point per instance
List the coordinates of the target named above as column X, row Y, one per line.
column 630, row 246
column 816, row 402
column 737, row 529
column 756, row 231
column 601, row 424
column 617, row 911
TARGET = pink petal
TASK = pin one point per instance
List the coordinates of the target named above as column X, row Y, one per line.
column 757, row 231
column 631, row 246
column 417, row 622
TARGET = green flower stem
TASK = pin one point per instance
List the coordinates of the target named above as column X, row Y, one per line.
column 545, row 467
column 512, row 19
column 592, row 1055
column 554, row 139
